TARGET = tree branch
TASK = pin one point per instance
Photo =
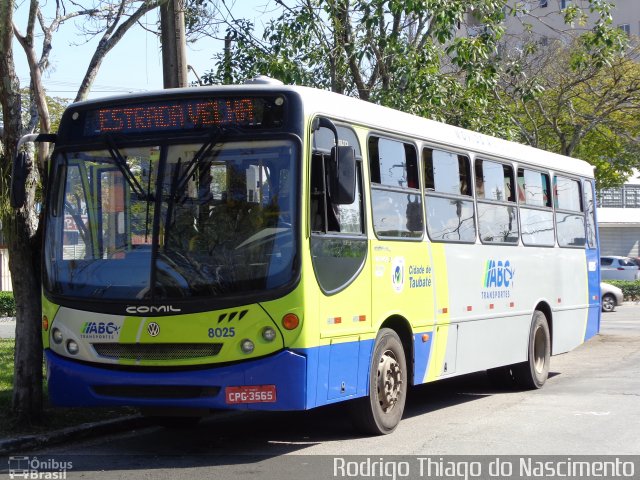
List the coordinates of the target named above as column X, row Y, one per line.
column 108, row 41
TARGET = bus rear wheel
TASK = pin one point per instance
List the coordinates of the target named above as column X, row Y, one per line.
column 381, row 411
column 533, row 373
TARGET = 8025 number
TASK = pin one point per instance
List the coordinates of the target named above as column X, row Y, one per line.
column 222, row 332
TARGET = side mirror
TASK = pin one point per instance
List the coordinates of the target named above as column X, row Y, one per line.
column 342, row 178
column 18, row 179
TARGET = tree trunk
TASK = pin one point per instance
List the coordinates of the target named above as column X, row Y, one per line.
column 24, row 247
column 24, row 252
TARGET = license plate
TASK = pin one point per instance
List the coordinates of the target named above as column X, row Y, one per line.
column 250, row 394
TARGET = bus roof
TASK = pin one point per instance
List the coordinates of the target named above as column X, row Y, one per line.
column 384, row 119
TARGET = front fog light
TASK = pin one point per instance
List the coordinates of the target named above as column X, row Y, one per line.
column 269, row 334
column 56, row 335
column 247, row 346
column 72, row 347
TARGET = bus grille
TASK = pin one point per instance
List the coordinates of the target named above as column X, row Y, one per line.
column 155, row 391
column 157, row 351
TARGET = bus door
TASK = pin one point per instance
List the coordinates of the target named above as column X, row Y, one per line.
column 339, row 252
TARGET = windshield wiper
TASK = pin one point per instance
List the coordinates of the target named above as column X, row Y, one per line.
column 204, row 150
column 172, row 193
column 179, row 181
column 126, row 172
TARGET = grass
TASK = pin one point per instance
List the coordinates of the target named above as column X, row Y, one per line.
column 53, row 418
column 6, row 378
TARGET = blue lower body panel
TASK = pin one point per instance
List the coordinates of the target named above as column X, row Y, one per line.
column 304, row 379
column 74, row 384
column 593, row 276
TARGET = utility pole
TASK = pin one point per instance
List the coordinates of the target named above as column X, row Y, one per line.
column 227, row 60
column 174, row 50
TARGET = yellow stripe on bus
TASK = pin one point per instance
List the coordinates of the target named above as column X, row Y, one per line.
column 442, row 312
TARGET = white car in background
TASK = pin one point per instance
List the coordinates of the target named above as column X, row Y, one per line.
column 610, row 296
column 619, row 268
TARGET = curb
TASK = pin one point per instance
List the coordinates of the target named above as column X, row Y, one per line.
column 105, row 427
column 94, row 429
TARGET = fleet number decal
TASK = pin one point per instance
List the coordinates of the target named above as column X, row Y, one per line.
column 222, row 332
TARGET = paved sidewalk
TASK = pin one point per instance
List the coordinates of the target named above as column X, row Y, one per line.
column 24, row 443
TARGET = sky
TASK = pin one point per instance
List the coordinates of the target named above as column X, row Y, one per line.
column 133, row 65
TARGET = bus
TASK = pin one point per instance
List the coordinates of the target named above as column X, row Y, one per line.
column 273, row 247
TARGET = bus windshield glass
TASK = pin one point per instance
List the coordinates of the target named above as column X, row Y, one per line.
column 174, row 221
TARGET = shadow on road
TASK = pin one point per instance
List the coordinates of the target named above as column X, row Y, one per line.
column 253, row 437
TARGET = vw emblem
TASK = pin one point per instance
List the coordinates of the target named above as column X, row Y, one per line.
column 153, row 329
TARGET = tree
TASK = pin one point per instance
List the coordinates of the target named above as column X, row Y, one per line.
column 404, row 54
column 586, row 109
column 452, row 61
column 440, row 59
column 21, row 229
column 109, row 20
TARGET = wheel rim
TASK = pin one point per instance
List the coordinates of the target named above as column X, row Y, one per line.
column 389, row 381
column 539, row 350
column 607, row 303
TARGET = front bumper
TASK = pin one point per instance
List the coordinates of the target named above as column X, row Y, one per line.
column 75, row 384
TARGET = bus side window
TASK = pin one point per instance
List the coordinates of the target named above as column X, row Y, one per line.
column 324, row 214
column 449, row 201
column 497, row 212
column 479, row 180
column 589, row 208
column 570, row 221
column 395, row 189
column 536, row 213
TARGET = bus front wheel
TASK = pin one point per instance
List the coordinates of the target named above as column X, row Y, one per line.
column 381, row 411
column 533, row 373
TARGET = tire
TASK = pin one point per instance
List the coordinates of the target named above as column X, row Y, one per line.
column 533, row 373
column 608, row 303
column 380, row 412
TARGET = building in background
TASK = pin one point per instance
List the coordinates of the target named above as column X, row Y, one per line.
column 543, row 20
column 5, row 274
column 619, row 219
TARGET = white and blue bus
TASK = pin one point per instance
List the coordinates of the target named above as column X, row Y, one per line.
column 275, row 247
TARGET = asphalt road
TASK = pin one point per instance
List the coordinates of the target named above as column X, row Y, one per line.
column 589, row 406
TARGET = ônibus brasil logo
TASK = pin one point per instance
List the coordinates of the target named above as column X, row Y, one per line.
column 498, row 279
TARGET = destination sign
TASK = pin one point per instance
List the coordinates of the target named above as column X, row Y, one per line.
column 187, row 114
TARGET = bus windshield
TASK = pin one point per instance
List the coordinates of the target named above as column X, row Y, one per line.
column 172, row 221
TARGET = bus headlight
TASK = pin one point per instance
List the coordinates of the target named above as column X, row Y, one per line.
column 269, row 334
column 247, row 346
column 56, row 335
column 72, row 347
